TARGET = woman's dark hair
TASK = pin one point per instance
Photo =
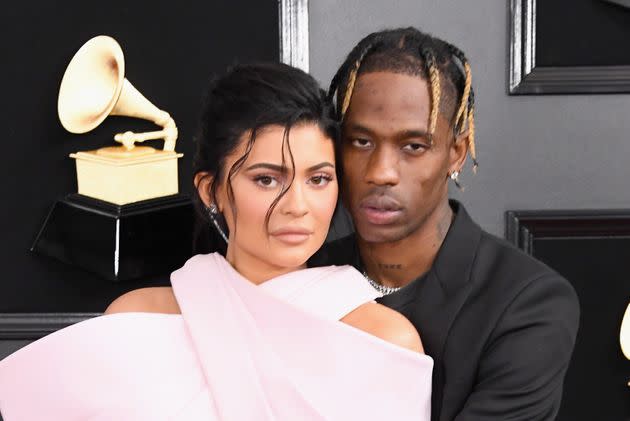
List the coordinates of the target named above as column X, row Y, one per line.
column 244, row 101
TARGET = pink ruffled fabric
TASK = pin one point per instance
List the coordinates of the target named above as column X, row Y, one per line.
column 237, row 352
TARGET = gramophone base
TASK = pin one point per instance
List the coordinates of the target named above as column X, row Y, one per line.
column 122, row 181
column 119, row 242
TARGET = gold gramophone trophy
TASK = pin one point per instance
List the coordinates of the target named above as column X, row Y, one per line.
column 624, row 334
column 127, row 220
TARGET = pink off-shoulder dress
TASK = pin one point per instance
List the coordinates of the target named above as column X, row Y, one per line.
column 237, row 352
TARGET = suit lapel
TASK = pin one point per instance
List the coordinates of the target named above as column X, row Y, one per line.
column 433, row 313
column 433, row 301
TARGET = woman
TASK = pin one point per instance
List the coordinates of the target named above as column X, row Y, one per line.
column 252, row 335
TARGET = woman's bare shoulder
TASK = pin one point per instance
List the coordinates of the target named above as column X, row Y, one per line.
column 386, row 324
column 146, row 300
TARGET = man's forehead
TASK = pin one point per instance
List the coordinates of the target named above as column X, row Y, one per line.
column 386, row 94
column 375, row 82
column 387, row 128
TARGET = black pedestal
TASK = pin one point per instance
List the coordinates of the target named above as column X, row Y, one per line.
column 119, row 242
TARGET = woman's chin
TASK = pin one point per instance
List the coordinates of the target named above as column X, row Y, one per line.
column 293, row 258
column 291, row 262
column 293, row 255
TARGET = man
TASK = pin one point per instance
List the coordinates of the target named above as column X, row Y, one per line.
column 499, row 325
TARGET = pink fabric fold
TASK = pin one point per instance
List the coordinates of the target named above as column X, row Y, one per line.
column 237, row 352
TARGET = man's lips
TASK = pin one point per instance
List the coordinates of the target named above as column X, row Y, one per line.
column 380, row 210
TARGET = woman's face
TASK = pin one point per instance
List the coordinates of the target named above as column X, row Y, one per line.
column 299, row 223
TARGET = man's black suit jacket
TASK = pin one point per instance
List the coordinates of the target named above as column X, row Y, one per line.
column 499, row 325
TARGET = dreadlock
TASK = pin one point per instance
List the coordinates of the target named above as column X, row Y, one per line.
column 410, row 51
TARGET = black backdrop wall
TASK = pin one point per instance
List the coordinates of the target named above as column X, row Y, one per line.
column 171, row 50
column 581, row 33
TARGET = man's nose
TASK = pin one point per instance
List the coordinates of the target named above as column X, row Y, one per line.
column 382, row 167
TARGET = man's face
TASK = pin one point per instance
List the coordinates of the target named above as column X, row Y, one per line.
column 394, row 178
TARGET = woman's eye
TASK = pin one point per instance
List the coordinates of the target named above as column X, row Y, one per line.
column 266, row 181
column 320, row 180
column 361, row 143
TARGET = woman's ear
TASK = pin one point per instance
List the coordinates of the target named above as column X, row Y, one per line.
column 203, row 182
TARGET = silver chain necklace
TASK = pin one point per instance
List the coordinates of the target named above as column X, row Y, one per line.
column 380, row 288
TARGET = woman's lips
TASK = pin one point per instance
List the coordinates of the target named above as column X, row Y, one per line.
column 292, row 236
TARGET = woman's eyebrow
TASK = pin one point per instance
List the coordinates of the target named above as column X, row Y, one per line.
column 281, row 169
column 274, row 167
column 320, row 165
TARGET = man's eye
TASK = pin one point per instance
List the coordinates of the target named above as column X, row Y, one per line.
column 266, row 181
column 361, row 143
column 414, row 147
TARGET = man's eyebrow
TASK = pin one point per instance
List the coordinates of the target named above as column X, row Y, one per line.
column 414, row 133
column 402, row 134
column 360, row 128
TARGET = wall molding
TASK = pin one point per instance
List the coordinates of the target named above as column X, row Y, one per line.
column 31, row 326
column 293, row 21
column 522, row 227
column 527, row 78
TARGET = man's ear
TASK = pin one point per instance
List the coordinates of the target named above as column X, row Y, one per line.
column 459, row 151
column 203, row 182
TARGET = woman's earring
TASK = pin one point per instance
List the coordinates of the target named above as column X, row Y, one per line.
column 455, row 177
column 213, row 213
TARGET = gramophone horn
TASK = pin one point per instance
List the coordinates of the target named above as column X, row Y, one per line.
column 94, row 87
column 91, row 85
column 624, row 334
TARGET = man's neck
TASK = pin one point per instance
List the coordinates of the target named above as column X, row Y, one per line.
column 395, row 264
